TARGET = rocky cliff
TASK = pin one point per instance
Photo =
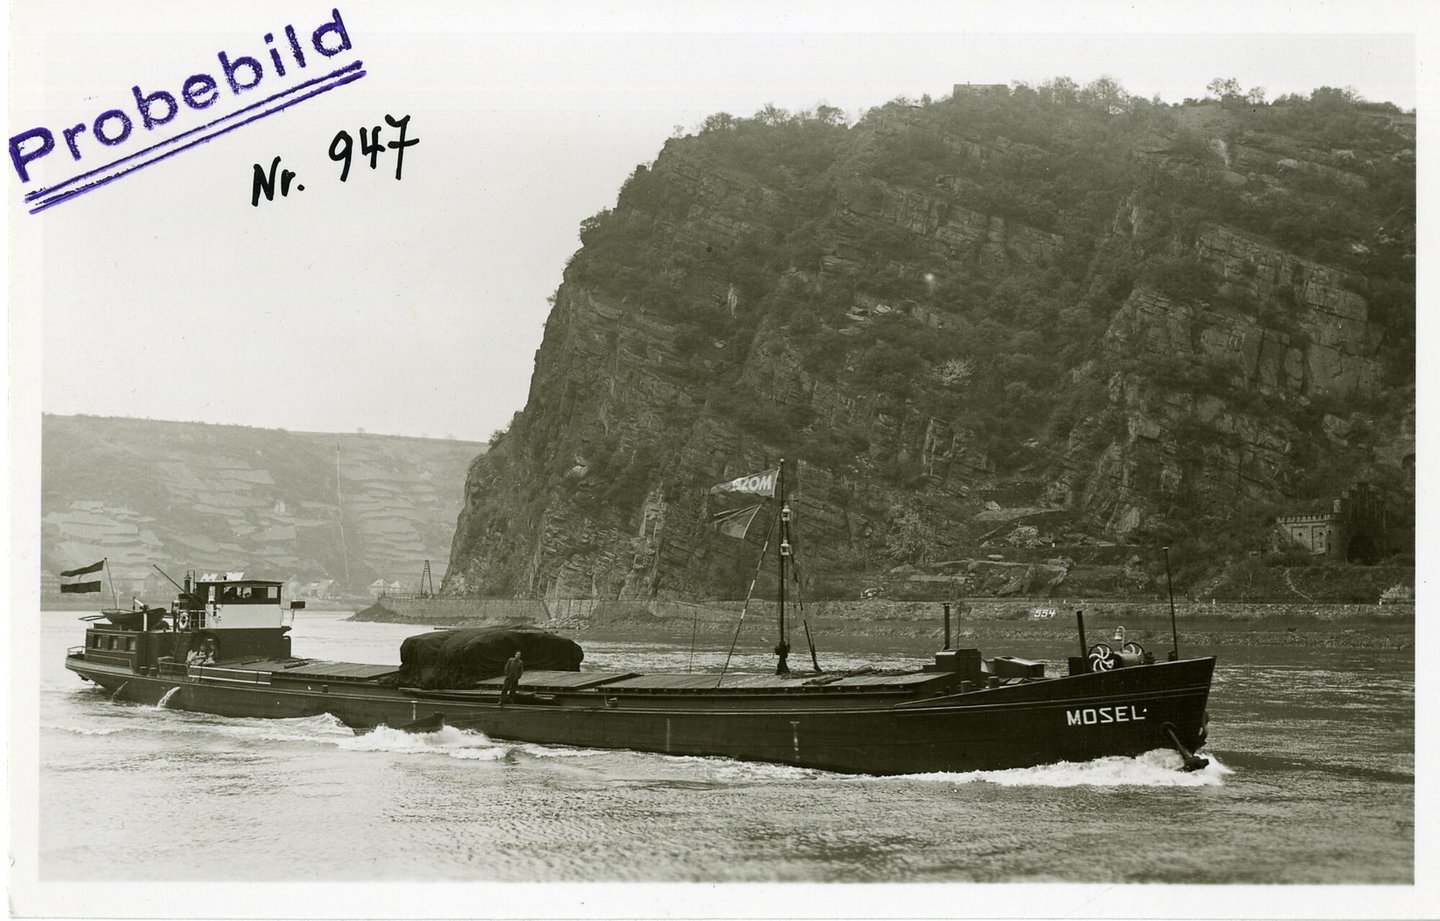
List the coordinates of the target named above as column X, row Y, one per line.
column 219, row 497
column 1009, row 338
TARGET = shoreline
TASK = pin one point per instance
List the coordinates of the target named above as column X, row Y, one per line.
column 976, row 621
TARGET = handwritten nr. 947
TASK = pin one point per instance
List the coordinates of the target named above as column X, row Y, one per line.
column 342, row 151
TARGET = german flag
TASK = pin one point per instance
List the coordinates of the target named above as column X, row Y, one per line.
column 69, row 588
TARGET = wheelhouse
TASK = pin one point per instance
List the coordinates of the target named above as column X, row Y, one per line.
column 213, row 619
column 229, row 604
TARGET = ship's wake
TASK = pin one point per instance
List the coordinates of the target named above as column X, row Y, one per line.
column 1158, row 768
column 455, row 743
column 326, row 729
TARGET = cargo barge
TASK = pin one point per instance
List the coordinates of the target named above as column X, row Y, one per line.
column 224, row 648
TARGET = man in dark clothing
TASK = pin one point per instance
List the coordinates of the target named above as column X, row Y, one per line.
column 514, row 668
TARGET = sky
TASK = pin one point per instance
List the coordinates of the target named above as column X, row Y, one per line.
column 415, row 306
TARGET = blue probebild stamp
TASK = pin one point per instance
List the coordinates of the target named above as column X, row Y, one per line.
column 192, row 109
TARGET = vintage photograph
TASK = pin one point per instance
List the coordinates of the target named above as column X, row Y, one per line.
column 464, row 457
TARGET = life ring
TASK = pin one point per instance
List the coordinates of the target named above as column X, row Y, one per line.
column 1102, row 658
column 1134, row 649
column 182, row 620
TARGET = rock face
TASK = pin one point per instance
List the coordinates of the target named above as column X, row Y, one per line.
column 224, row 498
column 1012, row 327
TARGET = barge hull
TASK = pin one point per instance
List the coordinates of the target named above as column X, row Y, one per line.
column 1077, row 718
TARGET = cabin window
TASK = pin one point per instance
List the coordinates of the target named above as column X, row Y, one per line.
column 246, row 594
column 130, row 644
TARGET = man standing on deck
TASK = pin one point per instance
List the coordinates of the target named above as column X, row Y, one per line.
column 514, row 668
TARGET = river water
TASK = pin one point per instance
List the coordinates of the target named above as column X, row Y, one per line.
column 1312, row 780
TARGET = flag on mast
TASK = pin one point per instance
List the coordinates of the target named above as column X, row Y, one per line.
column 755, row 484
column 69, row 588
column 736, row 522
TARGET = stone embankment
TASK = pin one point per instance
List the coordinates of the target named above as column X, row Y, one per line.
column 1216, row 624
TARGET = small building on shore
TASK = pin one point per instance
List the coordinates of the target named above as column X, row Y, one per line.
column 1359, row 527
column 1313, row 532
column 977, row 89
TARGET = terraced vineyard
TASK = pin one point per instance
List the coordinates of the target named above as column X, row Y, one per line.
column 331, row 513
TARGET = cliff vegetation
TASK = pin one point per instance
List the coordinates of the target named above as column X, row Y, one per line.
column 1017, row 339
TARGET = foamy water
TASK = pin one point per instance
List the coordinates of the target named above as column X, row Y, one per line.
column 1289, row 754
column 1159, row 768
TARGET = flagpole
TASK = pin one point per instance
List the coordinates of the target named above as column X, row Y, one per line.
column 105, row 561
column 784, row 529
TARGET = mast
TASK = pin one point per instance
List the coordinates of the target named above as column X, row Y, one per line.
column 782, row 648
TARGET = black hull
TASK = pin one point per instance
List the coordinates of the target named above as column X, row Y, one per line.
column 1077, row 718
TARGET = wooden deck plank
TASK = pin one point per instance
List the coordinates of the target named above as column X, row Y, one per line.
column 350, row 671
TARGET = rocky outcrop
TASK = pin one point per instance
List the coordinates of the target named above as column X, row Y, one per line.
column 1332, row 348
column 942, row 324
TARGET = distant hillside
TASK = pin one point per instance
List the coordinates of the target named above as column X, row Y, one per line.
column 222, row 497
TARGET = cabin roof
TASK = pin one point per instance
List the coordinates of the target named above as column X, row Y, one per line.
column 237, row 582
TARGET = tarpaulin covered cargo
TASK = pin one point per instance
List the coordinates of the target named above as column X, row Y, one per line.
column 459, row 658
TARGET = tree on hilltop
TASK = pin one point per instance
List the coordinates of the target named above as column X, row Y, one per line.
column 1225, row 89
column 1104, row 91
column 720, row 121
